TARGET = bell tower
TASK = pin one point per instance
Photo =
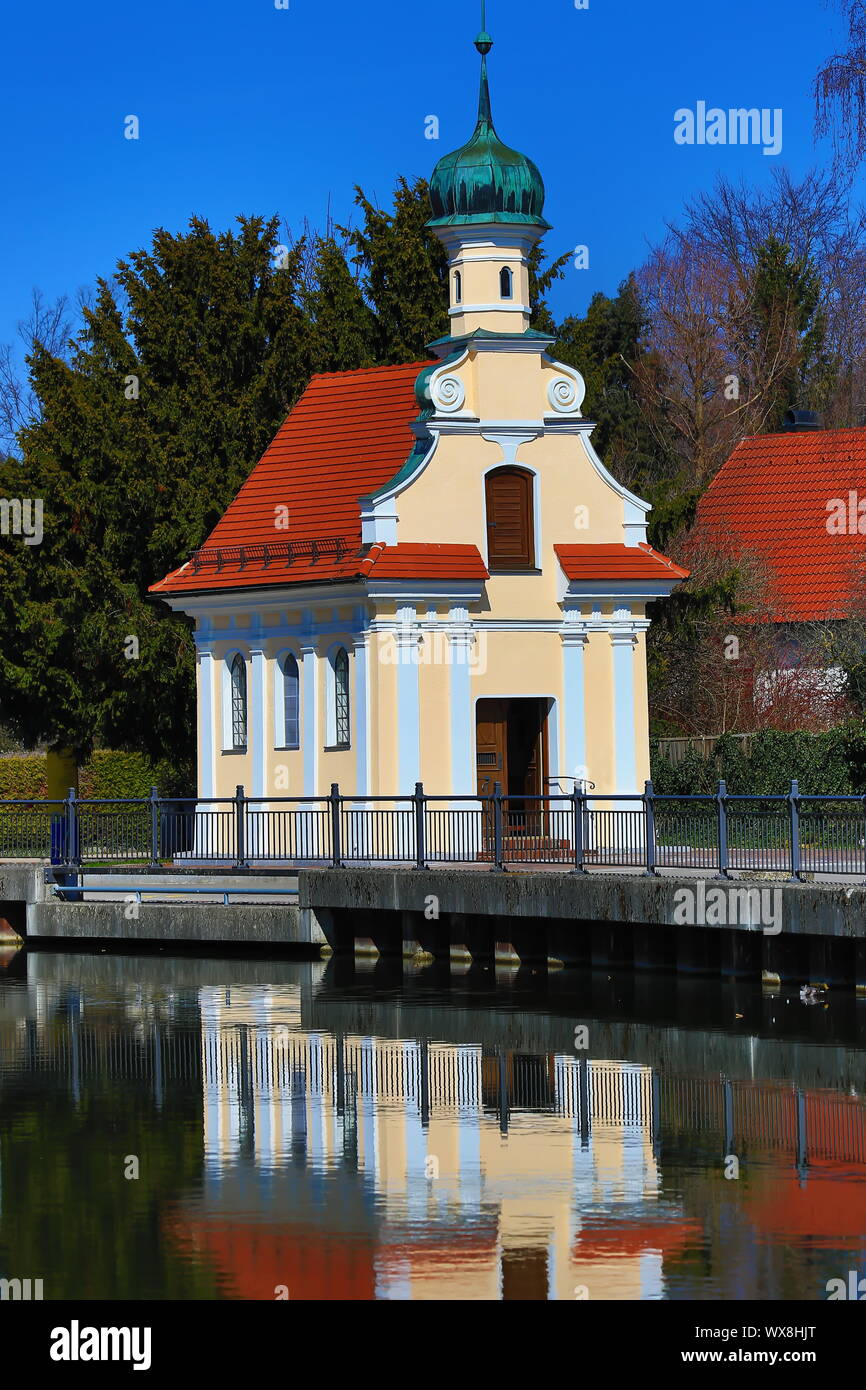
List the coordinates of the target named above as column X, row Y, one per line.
column 487, row 202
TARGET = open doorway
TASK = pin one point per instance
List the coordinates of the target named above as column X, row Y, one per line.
column 511, row 748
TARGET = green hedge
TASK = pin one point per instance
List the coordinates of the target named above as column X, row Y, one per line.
column 23, row 778
column 827, row 763
column 131, row 775
column 106, row 774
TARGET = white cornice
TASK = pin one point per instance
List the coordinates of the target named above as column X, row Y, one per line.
column 536, row 345
column 641, row 590
column 224, row 602
column 418, row 590
column 499, row 307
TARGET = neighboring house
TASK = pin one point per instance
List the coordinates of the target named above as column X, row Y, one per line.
column 463, row 608
column 796, row 502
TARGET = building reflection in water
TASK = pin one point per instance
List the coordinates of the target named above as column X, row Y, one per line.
column 337, row 1165
column 416, row 1169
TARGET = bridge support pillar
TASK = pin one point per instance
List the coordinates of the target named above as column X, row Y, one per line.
column 787, row 956
column 653, row 947
column 611, row 944
column 698, row 950
column 741, row 955
column 831, row 961
column 569, row 942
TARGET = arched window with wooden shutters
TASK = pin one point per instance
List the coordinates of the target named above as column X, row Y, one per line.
column 510, row 523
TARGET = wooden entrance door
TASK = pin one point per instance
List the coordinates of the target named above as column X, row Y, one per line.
column 491, row 745
column 511, row 748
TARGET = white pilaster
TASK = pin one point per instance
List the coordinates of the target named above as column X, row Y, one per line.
column 361, row 714
column 460, row 643
column 310, row 713
column 207, row 680
column 625, row 762
column 574, row 704
column 258, row 723
column 408, row 702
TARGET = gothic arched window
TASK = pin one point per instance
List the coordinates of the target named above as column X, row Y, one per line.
column 239, row 702
column 342, row 723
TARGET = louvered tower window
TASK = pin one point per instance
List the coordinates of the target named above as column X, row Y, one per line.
column 510, row 525
column 239, row 702
column 341, row 698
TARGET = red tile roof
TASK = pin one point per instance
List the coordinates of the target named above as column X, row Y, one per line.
column 625, row 562
column 410, row 561
column 347, row 436
column 771, row 499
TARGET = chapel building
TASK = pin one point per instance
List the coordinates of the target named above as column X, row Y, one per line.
column 430, row 575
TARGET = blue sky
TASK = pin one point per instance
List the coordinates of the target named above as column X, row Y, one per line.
column 244, row 107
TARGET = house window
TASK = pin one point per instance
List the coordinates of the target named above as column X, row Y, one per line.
column 506, row 283
column 458, row 287
column 291, row 703
column 510, row 524
column 341, row 698
column 239, row 703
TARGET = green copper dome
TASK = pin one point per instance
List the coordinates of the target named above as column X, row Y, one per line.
column 485, row 181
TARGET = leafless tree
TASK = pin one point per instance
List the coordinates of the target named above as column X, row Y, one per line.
column 840, row 93
column 49, row 324
column 717, row 361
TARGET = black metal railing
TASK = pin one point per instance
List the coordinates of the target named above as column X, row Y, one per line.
column 575, row 831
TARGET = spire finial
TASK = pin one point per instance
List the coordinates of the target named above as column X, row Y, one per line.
column 484, row 43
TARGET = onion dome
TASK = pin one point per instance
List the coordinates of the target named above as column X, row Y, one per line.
column 485, row 181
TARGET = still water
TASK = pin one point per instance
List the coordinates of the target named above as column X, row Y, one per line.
column 208, row 1129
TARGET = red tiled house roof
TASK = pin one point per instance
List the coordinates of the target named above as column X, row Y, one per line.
column 771, row 499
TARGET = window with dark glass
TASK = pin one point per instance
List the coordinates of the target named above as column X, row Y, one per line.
column 458, row 287
column 341, row 698
column 291, row 702
column 506, row 283
column 510, row 526
column 239, row 702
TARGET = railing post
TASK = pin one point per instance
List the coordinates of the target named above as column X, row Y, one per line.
column 578, row 801
column 336, row 850
column 794, row 804
column 240, row 829
column 73, row 841
column 722, row 803
column 420, row 845
column 650, row 829
column 154, row 828
column 497, row 827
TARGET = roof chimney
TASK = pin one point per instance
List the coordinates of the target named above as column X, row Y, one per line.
column 802, row 420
